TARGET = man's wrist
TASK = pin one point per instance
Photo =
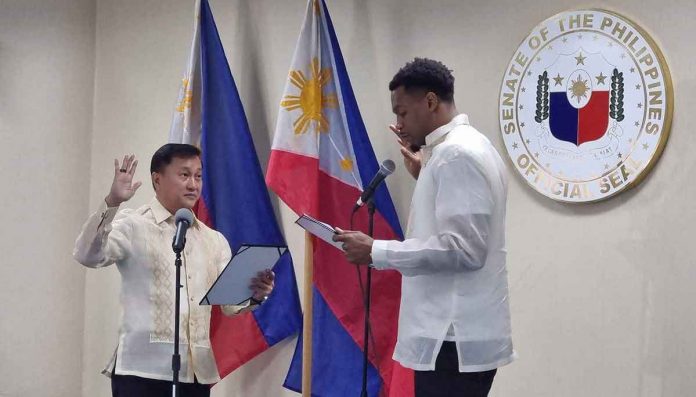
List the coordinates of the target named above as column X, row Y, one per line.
column 110, row 202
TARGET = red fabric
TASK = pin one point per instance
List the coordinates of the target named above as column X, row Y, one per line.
column 334, row 277
column 235, row 340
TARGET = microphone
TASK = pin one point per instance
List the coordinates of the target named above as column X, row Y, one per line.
column 183, row 219
column 385, row 170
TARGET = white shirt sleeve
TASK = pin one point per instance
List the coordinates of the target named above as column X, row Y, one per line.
column 463, row 208
column 102, row 241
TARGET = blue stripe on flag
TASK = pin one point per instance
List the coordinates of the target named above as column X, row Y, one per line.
column 234, row 190
column 335, row 353
column 280, row 315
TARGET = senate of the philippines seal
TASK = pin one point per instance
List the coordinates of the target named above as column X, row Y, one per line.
column 585, row 106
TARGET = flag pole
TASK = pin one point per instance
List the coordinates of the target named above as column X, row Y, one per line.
column 307, row 318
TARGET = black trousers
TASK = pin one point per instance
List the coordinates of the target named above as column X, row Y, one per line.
column 134, row 386
column 447, row 381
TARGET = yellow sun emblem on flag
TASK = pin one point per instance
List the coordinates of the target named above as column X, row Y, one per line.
column 185, row 102
column 311, row 100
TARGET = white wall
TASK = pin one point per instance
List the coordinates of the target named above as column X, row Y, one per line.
column 601, row 294
column 46, row 90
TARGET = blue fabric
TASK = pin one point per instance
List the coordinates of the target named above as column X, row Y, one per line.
column 334, row 358
column 234, row 191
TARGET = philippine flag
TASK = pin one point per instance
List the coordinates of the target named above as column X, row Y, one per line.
column 320, row 162
column 235, row 200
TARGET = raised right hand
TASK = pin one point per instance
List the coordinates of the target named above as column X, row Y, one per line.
column 412, row 160
column 123, row 188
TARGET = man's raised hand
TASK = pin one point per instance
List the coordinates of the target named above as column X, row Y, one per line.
column 412, row 160
column 123, row 188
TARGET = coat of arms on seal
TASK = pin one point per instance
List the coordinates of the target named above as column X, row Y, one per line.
column 585, row 106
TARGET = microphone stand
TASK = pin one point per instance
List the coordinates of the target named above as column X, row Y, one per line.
column 370, row 232
column 176, row 358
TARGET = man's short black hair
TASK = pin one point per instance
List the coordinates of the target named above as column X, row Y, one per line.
column 425, row 74
column 164, row 155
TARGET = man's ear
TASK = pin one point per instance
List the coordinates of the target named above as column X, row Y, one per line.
column 432, row 100
column 155, row 176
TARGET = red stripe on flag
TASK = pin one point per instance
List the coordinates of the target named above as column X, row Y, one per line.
column 302, row 171
column 338, row 280
column 202, row 213
column 234, row 340
column 334, row 277
column 402, row 382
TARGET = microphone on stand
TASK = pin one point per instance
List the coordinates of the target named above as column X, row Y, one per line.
column 385, row 170
column 183, row 219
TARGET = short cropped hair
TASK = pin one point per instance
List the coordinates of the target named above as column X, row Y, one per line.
column 425, row 74
column 164, row 155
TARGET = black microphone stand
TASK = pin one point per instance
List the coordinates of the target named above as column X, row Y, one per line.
column 368, row 288
column 176, row 358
